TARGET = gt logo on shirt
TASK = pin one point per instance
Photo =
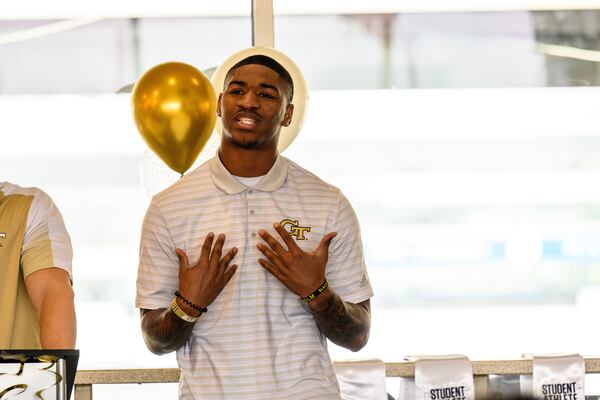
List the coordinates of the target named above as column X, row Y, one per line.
column 294, row 229
column 2, row 236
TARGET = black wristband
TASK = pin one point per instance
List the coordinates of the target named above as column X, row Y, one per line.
column 202, row 310
column 317, row 292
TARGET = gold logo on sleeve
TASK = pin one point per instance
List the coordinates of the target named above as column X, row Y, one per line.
column 2, row 237
column 294, row 229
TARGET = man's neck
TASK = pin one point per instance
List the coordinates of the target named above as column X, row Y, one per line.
column 247, row 162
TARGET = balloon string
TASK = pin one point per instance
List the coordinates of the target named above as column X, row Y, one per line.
column 181, row 175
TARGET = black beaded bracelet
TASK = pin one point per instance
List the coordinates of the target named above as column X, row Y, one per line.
column 317, row 292
column 202, row 310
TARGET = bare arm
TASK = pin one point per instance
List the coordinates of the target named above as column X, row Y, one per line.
column 200, row 283
column 51, row 294
column 344, row 323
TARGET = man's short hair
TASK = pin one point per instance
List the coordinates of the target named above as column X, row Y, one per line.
column 270, row 63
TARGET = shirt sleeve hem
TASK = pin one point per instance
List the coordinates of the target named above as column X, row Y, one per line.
column 30, row 269
column 152, row 304
column 358, row 297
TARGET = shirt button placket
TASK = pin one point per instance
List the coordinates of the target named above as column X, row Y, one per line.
column 251, row 213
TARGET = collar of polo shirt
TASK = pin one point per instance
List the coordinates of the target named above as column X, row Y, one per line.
column 227, row 183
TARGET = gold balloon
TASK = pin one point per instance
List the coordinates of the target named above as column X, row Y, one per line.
column 174, row 108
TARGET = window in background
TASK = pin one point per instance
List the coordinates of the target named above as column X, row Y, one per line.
column 106, row 55
column 444, row 50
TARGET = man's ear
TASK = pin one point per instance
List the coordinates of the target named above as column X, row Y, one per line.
column 219, row 104
column 287, row 118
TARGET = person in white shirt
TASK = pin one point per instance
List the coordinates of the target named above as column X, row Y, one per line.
column 249, row 262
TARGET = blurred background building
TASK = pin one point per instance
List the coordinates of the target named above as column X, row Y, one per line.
column 465, row 134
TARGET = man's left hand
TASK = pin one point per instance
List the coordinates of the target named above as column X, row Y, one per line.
column 300, row 271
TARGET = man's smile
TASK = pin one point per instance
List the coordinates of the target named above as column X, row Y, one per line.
column 247, row 120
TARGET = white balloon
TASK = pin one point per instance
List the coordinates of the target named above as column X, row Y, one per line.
column 300, row 99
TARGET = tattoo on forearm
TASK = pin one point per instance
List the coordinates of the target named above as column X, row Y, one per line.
column 163, row 331
column 345, row 324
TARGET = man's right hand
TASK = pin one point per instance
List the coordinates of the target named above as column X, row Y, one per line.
column 202, row 282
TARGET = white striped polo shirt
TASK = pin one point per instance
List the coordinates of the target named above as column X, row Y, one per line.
column 257, row 340
column 32, row 237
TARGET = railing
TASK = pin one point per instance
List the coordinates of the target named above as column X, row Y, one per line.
column 85, row 379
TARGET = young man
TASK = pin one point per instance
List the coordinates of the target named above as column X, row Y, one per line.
column 254, row 329
column 36, row 297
